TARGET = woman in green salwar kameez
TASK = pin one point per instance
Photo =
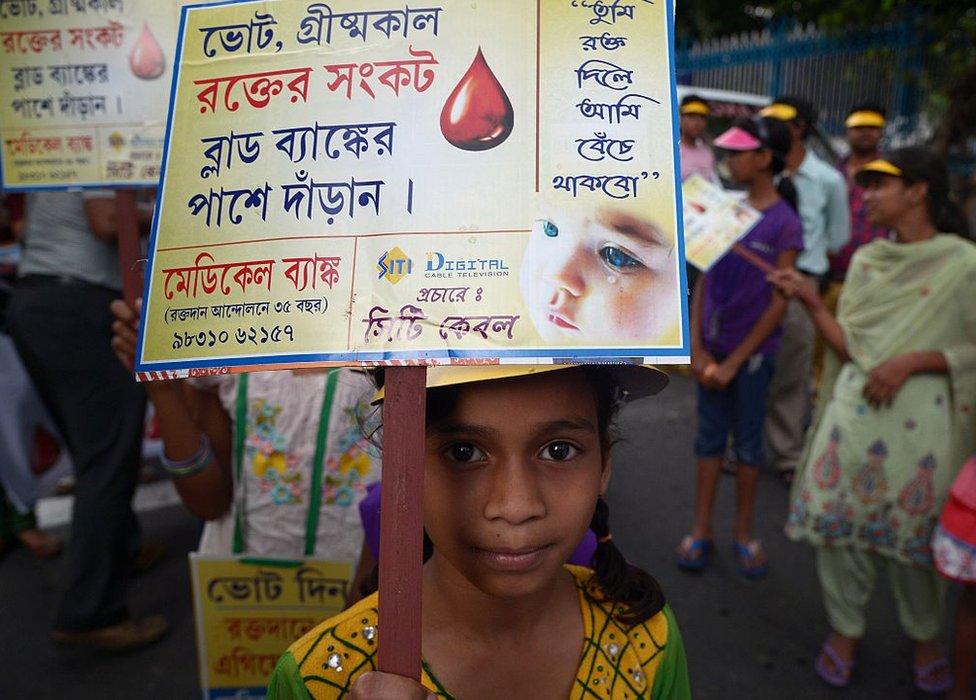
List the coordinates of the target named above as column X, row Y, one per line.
column 895, row 418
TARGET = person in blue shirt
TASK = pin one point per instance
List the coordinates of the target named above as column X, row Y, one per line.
column 825, row 214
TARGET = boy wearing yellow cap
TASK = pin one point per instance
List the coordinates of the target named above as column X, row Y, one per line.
column 696, row 155
column 865, row 128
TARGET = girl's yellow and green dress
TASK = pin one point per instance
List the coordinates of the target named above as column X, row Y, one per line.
column 645, row 661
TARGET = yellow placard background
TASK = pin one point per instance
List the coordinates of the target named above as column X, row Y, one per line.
column 248, row 612
column 85, row 85
column 435, row 269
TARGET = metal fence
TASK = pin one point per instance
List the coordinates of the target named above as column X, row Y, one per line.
column 832, row 70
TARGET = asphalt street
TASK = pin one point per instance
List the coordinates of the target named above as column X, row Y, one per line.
column 743, row 639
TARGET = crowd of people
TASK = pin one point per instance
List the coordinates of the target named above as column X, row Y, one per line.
column 839, row 354
column 864, row 307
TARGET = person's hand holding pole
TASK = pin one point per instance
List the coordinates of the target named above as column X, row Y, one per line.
column 388, row 686
column 125, row 339
column 125, row 331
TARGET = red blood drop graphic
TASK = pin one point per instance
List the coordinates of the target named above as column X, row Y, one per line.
column 146, row 58
column 478, row 115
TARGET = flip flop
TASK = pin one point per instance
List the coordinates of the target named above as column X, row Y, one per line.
column 692, row 554
column 745, row 554
column 935, row 677
column 840, row 675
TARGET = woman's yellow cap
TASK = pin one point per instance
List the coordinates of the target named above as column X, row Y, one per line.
column 634, row 381
column 877, row 167
column 865, row 117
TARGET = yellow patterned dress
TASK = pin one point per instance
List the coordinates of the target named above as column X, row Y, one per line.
column 645, row 661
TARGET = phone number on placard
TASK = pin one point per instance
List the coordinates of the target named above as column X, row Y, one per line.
column 251, row 335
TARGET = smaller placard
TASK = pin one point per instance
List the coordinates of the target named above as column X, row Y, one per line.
column 715, row 220
column 248, row 611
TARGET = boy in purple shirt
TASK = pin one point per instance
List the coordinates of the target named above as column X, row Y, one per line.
column 735, row 335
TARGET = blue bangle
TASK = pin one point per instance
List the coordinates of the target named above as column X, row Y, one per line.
column 194, row 464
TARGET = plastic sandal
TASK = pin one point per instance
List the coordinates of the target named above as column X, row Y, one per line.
column 745, row 554
column 692, row 554
column 934, row 678
column 840, row 675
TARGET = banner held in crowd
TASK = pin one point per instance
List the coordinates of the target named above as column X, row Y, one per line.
column 441, row 182
column 84, row 91
column 714, row 221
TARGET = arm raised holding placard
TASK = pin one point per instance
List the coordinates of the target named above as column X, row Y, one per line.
column 195, row 429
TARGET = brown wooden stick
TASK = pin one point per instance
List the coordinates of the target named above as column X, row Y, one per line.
column 127, row 227
column 401, row 522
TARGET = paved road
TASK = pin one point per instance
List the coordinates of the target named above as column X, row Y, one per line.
column 744, row 639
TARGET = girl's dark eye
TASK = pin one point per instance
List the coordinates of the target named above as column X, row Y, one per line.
column 559, row 451
column 464, row 452
column 619, row 259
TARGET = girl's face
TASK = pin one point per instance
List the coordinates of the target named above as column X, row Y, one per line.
column 600, row 280
column 512, row 480
column 888, row 198
column 746, row 166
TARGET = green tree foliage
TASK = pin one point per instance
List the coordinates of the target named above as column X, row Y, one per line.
column 947, row 29
column 705, row 19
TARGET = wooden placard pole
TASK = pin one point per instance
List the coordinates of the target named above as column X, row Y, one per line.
column 401, row 522
column 127, row 228
column 752, row 258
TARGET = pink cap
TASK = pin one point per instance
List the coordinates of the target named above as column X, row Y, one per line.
column 736, row 139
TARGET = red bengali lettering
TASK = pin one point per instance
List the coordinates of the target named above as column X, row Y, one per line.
column 259, row 89
column 415, row 72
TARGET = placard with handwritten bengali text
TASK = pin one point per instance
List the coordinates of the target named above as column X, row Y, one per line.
column 248, row 612
column 442, row 181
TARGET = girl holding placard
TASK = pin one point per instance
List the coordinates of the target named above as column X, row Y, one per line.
column 506, row 500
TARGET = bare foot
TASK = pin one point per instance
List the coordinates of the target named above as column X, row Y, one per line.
column 40, row 543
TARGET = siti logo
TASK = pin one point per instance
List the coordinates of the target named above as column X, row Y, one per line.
column 394, row 265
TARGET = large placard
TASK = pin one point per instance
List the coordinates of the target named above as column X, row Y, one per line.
column 368, row 181
column 85, row 86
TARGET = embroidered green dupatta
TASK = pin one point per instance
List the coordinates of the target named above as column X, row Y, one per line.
column 876, row 478
column 893, row 293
